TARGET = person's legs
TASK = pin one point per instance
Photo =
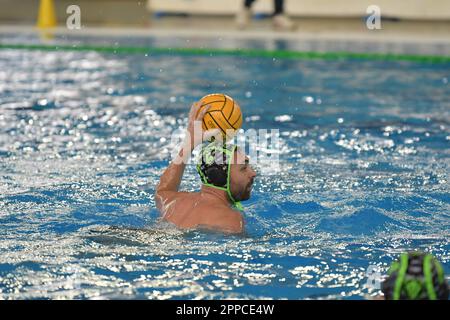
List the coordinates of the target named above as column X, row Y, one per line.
column 248, row 3
column 244, row 14
column 280, row 20
column 279, row 7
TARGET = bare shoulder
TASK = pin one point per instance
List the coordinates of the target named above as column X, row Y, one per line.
column 166, row 200
column 223, row 219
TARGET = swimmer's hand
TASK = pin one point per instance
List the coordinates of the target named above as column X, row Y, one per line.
column 195, row 134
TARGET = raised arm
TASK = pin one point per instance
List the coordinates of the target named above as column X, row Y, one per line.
column 167, row 189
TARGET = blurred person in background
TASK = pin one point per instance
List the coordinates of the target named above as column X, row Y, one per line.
column 279, row 19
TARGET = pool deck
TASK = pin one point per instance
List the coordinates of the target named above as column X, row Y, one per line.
column 420, row 37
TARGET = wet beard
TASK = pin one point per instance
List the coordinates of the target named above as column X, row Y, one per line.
column 244, row 194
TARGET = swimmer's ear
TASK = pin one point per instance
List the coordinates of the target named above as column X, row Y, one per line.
column 207, row 135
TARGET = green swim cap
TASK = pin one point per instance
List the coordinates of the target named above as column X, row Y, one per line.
column 416, row 276
column 215, row 166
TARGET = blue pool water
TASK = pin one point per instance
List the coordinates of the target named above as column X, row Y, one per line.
column 84, row 137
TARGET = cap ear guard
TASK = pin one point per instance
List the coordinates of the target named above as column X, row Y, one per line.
column 215, row 168
column 217, row 176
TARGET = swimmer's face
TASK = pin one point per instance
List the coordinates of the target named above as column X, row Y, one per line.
column 242, row 176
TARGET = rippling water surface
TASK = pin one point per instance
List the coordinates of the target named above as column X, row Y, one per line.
column 84, row 137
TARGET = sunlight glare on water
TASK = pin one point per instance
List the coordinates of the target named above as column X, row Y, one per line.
column 84, row 137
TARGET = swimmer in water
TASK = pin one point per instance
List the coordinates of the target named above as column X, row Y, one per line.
column 226, row 176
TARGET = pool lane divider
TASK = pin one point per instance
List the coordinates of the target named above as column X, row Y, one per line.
column 250, row 53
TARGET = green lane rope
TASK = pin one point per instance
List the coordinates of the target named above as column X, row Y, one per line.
column 277, row 54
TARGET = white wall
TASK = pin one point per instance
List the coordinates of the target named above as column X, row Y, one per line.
column 408, row 9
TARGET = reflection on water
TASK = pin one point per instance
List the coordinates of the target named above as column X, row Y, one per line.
column 84, row 138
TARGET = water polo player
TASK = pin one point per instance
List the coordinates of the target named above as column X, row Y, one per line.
column 227, row 179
